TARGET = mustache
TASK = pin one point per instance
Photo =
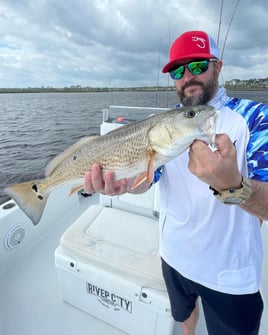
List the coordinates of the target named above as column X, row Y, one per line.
column 192, row 82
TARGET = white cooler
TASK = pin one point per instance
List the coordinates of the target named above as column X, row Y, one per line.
column 108, row 265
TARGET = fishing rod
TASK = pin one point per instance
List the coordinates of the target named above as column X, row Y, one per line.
column 220, row 22
column 229, row 26
column 157, row 80
column 169, row 39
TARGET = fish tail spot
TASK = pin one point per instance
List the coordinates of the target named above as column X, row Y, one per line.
column 35, row 188
column 39, row 195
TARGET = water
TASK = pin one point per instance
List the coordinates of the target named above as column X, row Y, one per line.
column 34, row 128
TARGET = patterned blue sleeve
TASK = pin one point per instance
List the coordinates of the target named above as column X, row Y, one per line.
column 256, row 116
column 157, row 174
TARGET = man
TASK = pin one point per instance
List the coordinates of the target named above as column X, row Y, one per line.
column 211, row 201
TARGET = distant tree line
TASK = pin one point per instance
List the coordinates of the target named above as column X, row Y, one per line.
column 79, row 88
column 234, row 84
column 247, row 84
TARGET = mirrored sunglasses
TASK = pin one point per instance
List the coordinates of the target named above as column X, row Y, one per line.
column 196, row 67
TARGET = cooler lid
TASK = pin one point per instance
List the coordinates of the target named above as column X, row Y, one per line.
column 117, row 239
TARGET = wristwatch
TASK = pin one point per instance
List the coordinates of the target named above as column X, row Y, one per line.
column 235, row 196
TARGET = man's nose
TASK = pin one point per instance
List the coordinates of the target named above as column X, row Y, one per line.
column 187, row 74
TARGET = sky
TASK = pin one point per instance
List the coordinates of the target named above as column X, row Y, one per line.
column 122, row 43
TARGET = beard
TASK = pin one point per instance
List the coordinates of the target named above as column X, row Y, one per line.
column 208, row 90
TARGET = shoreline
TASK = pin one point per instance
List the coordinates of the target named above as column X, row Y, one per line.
column 106, row 89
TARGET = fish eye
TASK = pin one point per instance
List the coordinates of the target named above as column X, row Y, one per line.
column 190, row 114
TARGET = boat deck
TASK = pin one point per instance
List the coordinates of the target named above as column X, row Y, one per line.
column 31, row 301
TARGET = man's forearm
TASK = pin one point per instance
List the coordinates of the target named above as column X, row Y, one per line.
column 257, row 204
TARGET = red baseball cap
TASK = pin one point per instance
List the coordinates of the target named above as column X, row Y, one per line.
column 191, row 45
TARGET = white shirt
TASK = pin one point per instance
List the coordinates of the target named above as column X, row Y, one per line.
column 216, row 245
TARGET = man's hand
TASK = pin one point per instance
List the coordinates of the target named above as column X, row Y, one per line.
column 219, row 168
column 94, row 182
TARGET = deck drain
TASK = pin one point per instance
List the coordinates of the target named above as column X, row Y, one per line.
column 14, row 236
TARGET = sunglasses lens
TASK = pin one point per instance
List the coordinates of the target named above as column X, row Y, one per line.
column 195, row 68
column 198, row 67
column 177, row 73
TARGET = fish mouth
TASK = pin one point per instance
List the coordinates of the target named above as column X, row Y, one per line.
column 208, row 128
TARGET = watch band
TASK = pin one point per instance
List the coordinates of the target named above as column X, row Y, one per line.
column 235, row 196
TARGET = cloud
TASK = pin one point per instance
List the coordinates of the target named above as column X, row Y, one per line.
column 121, row 43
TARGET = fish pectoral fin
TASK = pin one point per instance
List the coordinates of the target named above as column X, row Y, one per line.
column 150, row 169
column 139, row 180
column 147, row 176
column 76, row 189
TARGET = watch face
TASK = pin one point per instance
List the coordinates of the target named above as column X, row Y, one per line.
column 233, row 200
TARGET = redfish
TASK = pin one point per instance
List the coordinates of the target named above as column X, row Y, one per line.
column 133, row 150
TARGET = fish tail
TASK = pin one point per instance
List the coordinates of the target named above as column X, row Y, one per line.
column 29, row 198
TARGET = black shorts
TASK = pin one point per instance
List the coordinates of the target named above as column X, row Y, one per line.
column 225, row 314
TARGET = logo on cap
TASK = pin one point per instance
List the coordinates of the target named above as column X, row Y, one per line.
column 201, row 42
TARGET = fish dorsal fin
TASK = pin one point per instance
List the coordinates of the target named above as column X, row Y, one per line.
column 66, row 153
